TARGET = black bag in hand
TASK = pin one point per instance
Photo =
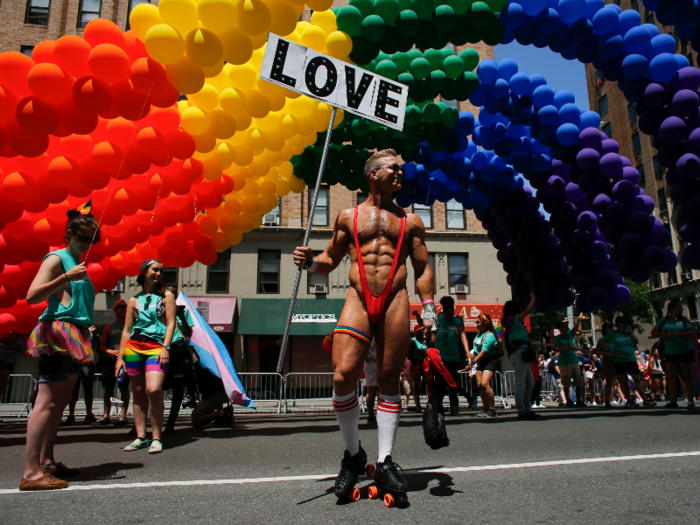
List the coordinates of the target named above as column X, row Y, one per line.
column 434, row 430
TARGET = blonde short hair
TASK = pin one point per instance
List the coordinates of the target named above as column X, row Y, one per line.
column 374, row 162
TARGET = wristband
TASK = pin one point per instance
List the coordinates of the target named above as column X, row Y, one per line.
column 311, row 265
column 428, row 301
column 66, row 276
column 430, row 315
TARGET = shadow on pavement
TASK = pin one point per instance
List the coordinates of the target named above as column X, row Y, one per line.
column 104, row 471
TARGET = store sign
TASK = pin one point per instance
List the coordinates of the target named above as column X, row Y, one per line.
column 203, row 309
column 314, row 318
column 334, row 82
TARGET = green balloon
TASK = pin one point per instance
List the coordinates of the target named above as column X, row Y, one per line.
column 382, row 56
column 409, row 143
column 437, row 81
column 466, row 84
column 371, row 66
column 374, row 126
column 450, row 91
column 347, row 153
column 385, row 135
column 374, row 28
column 425, row 36
column 390, row 42
column 460, row 6
column 453, row 66
column 403, row 43
column 496, row 6
column 402, row 61
column 407, row 80
column 357, row 163
column 470, row 57
column 474, row 36
column 366, row 7
column 434, row 144
column 435, row 58
column 431, row 113
column 449, row 117
column 494, row 32
column 420, row 93
column 349, row 19
column 342, row 172
column 405, row 4
column 363, row 51
column 308, row 156
column 360, row 127
column 414, row 53
column 448, row 52
column 479, row 14
column 419, row 68
column 352, row 184
column 460, row 32
column 387, row 9
column 413, row 115
column 423, row 8
column 444, row 18
column 408, row 23
column 408, row 154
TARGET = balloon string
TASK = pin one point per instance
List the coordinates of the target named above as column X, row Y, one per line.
column 157, row 198
column 111, row 189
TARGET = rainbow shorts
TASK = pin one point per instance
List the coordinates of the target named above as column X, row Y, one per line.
column 141, row 357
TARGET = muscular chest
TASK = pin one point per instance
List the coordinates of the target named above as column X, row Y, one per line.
column 378, row 226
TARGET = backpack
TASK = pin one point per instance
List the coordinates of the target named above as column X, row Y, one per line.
column 434, row 431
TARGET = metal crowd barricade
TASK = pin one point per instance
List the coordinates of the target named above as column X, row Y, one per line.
column 19, row 393
column 264, row 388
column 310, row 390
column 549, row 390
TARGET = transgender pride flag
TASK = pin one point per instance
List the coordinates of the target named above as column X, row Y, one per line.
column 214, row 355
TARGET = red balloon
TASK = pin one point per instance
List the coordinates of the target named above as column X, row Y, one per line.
column 159, row 185
column 14, row 68
column 165, row 252
column 185, row 257
column 132, row 105
column 25, row 324
column 37, row 116
column 150, row 140
column 103, row 31
column 78, row 147
column 225, row 184
column 75, row 119
column 35, row 252
column 92, row 95
column 190, row 231
column 180, row 144
column 71, row 54
column 8, row 103
column 166, row 97
column 202, row 244
column 121, row 132
column 137, row 161
column 165, row 216
column 192, row 169
column 109, row 63
column 161, row 158
column 93, row 176
column 50, row 191
column 148, row 76
column 108, row 156
column 35, row 205
column 8, row 246
column 49, row 82
column 7, row 300
column 165, row 119
column 43, row 52
column 23, row 142
column 12, row 274
column 176, row 240
column 64, row 171
column 134, row 47
column 19, row 187
column 8, row 322
column 207, row 258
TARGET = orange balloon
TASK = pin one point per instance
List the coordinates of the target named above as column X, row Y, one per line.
column 132, row 105
column 208, row 225
column 220, row 241
column 43, row 52
column 103, row 31
column 92, row 95
column 77, row 147
column 64, row 171
column 121, row 132
column 49, row 82
column 148, row 76
column 14, row 68
column 71, row 54
column 37, row 116
column 109, row 63
column 108, row 156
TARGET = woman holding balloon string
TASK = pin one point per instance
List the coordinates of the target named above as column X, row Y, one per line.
column 62, row 343
column 144, row 351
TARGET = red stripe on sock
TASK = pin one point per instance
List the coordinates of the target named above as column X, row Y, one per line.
column 342, row 404
column 344, row 408
column 392, row 408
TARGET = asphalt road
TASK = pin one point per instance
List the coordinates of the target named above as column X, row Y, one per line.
column 572, row 466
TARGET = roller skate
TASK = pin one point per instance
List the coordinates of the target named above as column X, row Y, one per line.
column 389, row 483
column 350, row 468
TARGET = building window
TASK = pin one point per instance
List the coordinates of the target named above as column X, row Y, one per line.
column 651, row 19
column 425, row 213
column 132, row 4
column 362, row 197
column 659, row 170
column 655, row 280
column 642, row 176
column 317, row 283
column 692, row 308
column 38, row 12
column 672, row 277
column 603, row 105
column 321, row 216
column 635, row 5
column 636, row 144
column 88, row 10
column 26, row 50
column 457, row 267
column 663, row 205
column 632, row 112
column 455, row 215
column 607, row 129
column 273, row 217
column 169, row 276
column 269, row 271
column 217, row 273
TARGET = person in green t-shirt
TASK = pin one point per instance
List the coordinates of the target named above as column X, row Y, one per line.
column 679, row 350
column 568, row 362
column 610, row 377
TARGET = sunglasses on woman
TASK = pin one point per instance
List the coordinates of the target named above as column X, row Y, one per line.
column 86, row 238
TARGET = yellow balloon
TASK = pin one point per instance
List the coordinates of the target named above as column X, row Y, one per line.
column 282, row 188
column 251, row 190
column 246, row 222
column 257, row 58
column 206, row 98
column 243, row 77
column 298, row 8
column 249, row 206
column 259, row 40
column 233, row 101
column 262, row 165
column 319, row 5
column 217, row 15
column 258, row 104
column 181, row 14
column 142, row 18
column 253, row 16
column 211, row 72
column 204, row 156
column 285, row 169
column 296, row 185
column 310, row 139
column 275, row 141
column 298, row 150
column 203, row 47
column 267, row 188
column 244, row 155
column 288, row 126
column 216, row 213
column 164, row 44
column 284, row 17
column 225, row 155
column 220, row 81
column 306, row 126
column 232, row 208
column 238, row 47
column 235, row 237
column 221, row 124
column 250, row 172
column 220, row 241
column 314, row 37
column 267, row 123
column 325, row 20
column 212, row 169
column 339, row 44
column 297, row 4
column 194, row 121
column 228, row 224
column 204, row 143
column 294, row 36
column 268, row 203
column 243, row 121
column 301, row 25
column 185, row 76
column 256, row 139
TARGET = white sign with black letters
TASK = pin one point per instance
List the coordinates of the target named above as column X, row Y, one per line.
column 334, row 82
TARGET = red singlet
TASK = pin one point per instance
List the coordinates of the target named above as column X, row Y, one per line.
column 375, row 304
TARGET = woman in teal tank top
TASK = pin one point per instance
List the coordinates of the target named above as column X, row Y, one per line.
column 62, row 343
column 144, row 351
column 518, row 339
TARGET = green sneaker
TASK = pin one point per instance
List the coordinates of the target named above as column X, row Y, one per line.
column 156, row 447
column 136, row 445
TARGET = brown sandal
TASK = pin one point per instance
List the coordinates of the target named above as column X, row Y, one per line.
column 45, row 482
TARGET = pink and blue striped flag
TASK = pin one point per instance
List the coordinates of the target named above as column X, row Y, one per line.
column 214, row 356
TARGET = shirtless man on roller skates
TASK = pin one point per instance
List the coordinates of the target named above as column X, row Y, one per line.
column 379, row 237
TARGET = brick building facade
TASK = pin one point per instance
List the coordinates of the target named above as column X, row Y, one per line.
column 619, row 121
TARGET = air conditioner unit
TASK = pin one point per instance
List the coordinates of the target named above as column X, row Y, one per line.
column 687, row 275
column 320, row 288
column 461, row 288
column 271, row 219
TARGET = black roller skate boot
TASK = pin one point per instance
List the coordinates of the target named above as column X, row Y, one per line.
column 390, row 483
column 350, row 468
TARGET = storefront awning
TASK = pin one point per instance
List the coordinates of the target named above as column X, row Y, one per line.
column 217, row 311
column 267, row 316
column 469, row 312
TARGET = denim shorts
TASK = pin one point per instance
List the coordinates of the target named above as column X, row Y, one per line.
column 57, row 367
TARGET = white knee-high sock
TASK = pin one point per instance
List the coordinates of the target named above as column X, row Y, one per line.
column 347, row 411
column 388, row 413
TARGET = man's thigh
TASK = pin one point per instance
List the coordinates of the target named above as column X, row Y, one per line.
column 393, row 334
column 349, row 352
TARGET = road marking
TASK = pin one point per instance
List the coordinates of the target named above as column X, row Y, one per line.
column 322, row 477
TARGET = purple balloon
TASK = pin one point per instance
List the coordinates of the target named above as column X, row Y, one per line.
column 564, row 298
column 559, row 168
column 582, row 305
column 627, row 267
column 673, row 130
column 587, row 220
column 606, row 278
column 686, row 78
column 568, row 211
column 573, row 193
column 588, row 159
column 669, row 154
column 601, row 203
column 542, row 303
column 656, row 96
column 621, row 295
column 658, row 236
column 624, row 191
column 580, row 239
column 684, row 103
column 688, row 167
column 583, row 282
column 589, row 138
column 653, row 257
column 597, row 251
column 590, row 182
column 690, row 230
column 555, row 185
column 670, row 264
column 643, row 203
column 639, row 222
column 617, row 212
column 597, row 296
column 693, row 143
column 691, row 257
column 650, row 121
column 630, row 174
column 631, row 243
column 609, row 146
column 610, row 163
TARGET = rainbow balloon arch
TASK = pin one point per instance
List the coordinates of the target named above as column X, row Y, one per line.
column 100, row 117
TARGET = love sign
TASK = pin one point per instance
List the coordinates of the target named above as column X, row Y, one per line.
column 334, row 82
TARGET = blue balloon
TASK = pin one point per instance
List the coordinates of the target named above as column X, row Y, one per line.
column 480, row 95
column 422, row 178
column 571, row 10
column 512, row 16
column 662, row 67
column 475, row 196
column 479, row 160
column 487, row 71
column 463, row 166
column 489, row 173
column 507, row 68
column 515, row 132
column 685, row 29
column 500, row 89
column 548, row 115
column 536, row 81
column 547, row 21
column 486, row 118
column 569, row 113
column 635, row 66
column 567, row 134
column 522, row 147
column 610, row 45
column 563, row 97
column 628, row 19
column 534, row 7
column 660, row 44
column 541, row 162
column 526, row 33
column 508, row 37
column 465, row 123
column 605, row 20
column 593, row 6
column 637, row 40
column 570, row 52
column 590, row 119
column 682, row 61
column 651, row 5
column 543, row 96
column 582, row 30
column 520, row 84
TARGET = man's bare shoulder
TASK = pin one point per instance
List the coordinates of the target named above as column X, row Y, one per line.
column 414, row 223
column 344, row 219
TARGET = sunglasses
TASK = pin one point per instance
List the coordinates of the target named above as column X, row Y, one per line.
column 121, row 307
column 396, row 168
column 86, row 238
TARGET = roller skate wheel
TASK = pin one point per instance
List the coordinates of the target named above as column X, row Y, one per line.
column 389, row 500
column 370, row 470
column 373, row 492
column 355, row 495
